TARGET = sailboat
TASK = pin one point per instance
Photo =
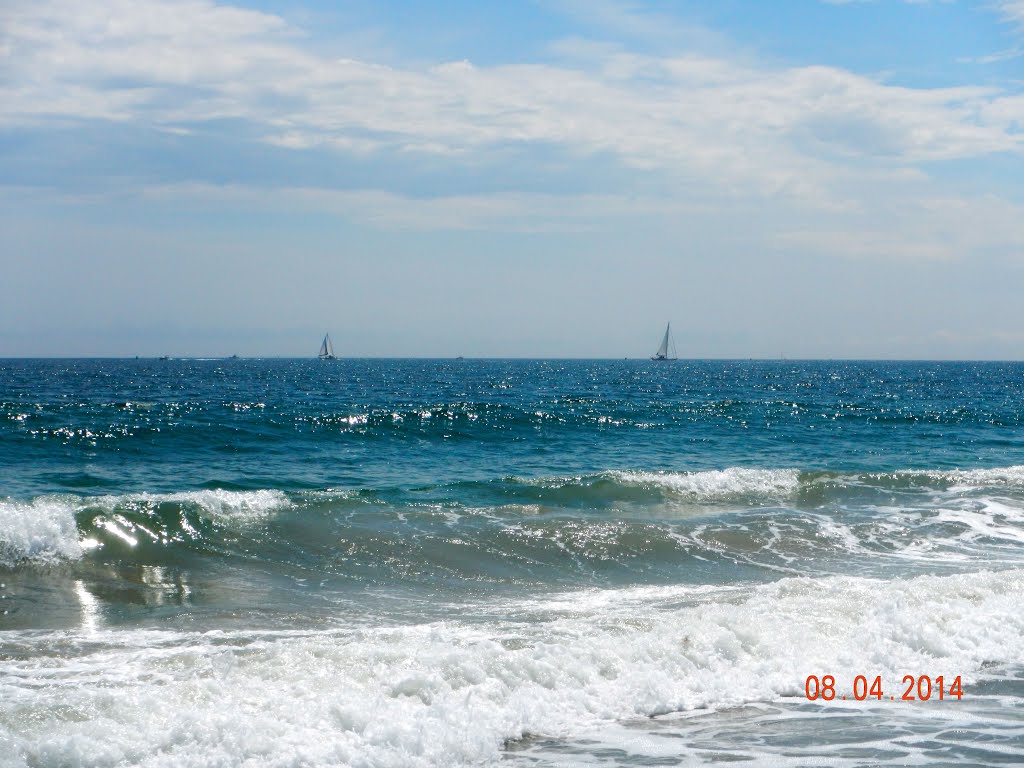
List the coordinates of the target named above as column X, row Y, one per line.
column 327, row 349
column 667, row 344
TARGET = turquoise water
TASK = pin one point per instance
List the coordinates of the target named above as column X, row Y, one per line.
column 440, row 562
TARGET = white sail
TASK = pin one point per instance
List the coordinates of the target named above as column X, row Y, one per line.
column 667, row 343
column 663, row 349
column 326, row 348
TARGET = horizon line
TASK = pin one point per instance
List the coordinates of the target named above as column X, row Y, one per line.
column 464, row 358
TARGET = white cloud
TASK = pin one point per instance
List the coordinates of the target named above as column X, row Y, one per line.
column 814, row 158
column 1013, row 11
column 776, row 131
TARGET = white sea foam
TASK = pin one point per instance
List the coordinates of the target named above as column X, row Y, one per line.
column 220, row 505
column 452, row 693
column 988, row 519
column 997, row 476
column 943, row 529
column 41, row 530
column 714, row 485
column 241, row 506
column 963, row 479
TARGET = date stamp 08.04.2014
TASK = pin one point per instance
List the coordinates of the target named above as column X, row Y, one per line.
column 915, row 688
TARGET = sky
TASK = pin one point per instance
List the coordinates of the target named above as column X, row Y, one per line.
column 545, row 178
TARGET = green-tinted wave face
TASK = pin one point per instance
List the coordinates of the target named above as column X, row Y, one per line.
column 613, row 528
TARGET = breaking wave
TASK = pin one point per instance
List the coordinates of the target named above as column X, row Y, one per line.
column 48, row 529
column 613, row 524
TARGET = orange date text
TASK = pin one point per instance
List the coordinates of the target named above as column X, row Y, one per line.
column 915, row 688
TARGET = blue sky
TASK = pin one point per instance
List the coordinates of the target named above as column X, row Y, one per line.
column 544, row 178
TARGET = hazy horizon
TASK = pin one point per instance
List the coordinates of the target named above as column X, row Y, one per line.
column 524, row 358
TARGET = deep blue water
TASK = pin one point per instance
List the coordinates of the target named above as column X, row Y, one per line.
column 121, row 426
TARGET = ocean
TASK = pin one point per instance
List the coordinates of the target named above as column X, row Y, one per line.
column 219, row 563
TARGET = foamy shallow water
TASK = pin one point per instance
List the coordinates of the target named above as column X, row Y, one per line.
column 575, row 678
column 788, row 733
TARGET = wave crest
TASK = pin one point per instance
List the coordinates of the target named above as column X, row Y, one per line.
column 49, row 529
column 717, row 485
column 42, row 530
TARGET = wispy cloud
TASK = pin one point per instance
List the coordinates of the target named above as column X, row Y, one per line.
column 636, row 21
column 930, row 230
column 711, row 123
column 180, row 64
column 507, row 211
column 1013, row 11
column 992, row 58
column 821, row 155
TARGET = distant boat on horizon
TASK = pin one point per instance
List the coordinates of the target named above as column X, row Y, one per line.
column 667, row 344
column 327, row 349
